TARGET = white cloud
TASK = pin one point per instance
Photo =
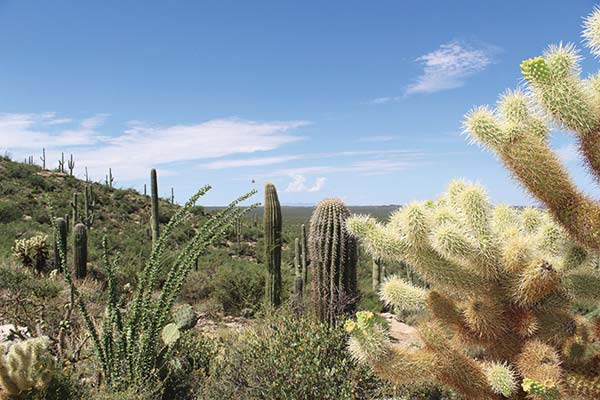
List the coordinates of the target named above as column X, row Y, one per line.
column 138, row 148
column 299, row 184
column 249, row 162
column 449, row 66
column 383, row 100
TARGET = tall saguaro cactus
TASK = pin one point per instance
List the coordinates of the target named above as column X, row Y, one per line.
column 60, row 233
column 89, row 207
column 333, row 261
column 272, row 233
column 517, row 131
column 304, row 259
column 80, row 254
column 154, row 199
column 298, row 283
column 74, row 209
column 71, row 165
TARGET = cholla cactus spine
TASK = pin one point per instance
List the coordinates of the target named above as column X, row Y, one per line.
column 80, row 250
column 272, row 222
column 333, row 259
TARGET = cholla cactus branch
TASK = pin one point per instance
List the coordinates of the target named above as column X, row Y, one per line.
column 501, row 280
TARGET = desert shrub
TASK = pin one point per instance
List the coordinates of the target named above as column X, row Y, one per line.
column 239, row 285
column 290, row 357
column 9, row 212
column 190, row 366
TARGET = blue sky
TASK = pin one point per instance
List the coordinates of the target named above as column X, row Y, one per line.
column 352, row 99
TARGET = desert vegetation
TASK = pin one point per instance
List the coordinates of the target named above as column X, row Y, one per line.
column 109, row 293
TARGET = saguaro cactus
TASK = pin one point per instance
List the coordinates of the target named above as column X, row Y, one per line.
column 517, row 131
column 304, row 255
column 376, row 273
column 154, row 199
column 61, row 163
column 60, row 233
column 298, row 282
column 333, row 261
column 272, row 234
column 109, row 179
column 80, row 255
column 71, row 165
column 499, row 280
column 74, row 209
column 43, row 158
column 89, row 207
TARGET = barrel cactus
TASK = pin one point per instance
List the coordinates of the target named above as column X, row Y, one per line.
column 80, row 254
column 272, row 233
column 500, row 288
column 333, row 260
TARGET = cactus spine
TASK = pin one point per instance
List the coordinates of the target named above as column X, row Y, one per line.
column 304, row 255
column 333, row 260
column 154, row 199
column 60, row 233
column 80, row 254
column 272, row 232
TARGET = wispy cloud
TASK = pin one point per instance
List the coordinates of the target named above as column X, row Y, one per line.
column 383, row 100
column 449, row 66
column 299, row 184
column 250, row 162
column 141, row 147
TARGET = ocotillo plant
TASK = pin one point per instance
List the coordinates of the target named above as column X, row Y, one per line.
column 272, row 233
column 333, row 261
column 154, row 200
column 109, row 179
column 517, row 131
column 304, row 255
column 71, row 165
column 80, row 253
column 501, row 287
column 298, row 283
column 89, row 205
column 129, row 348
column 74, row 209
column 61, row 232
column 43, row 158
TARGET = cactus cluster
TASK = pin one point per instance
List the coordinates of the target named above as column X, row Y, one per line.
column 32, row 252
column 500, row 286
column 27, row 366
column 272, row 222
column 333, row 261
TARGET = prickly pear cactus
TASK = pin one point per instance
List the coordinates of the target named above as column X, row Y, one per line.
column 185, row 317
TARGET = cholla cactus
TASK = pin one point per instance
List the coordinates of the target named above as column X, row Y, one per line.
column 517, row 131
column 27, row 366
column 32, row 252
column 501, row 283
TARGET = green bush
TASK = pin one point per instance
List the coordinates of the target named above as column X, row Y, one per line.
column 290, row 357
column 9, row 212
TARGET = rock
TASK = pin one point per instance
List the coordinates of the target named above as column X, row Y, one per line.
column 401, row 334
column 27, row 218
